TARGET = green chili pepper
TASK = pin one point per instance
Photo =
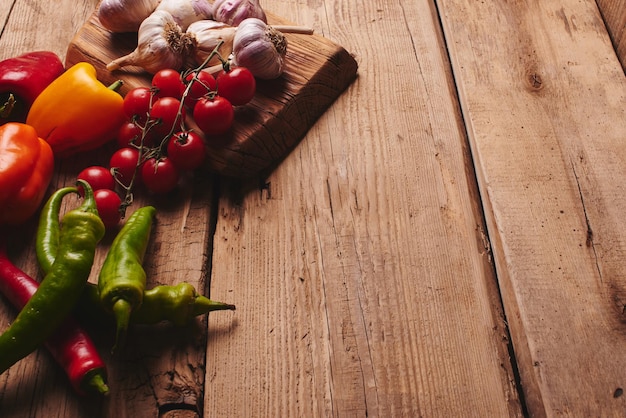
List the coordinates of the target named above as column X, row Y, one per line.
column 60, row 289
column 122, row 279
column 47, row 241
column 178, row 304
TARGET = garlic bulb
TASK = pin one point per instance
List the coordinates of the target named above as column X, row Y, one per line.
column 161, row 44
column 185, row 12
column 233, row 12
column 124, row 15
column 207, row 35
column 260, row 48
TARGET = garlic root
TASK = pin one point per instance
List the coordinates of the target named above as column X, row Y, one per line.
column 161, row 44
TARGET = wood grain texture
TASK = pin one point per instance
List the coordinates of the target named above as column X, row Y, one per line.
column 614, row 14
column 544, row 100
column 462, row 170
column 316, row 72
column 359, row 268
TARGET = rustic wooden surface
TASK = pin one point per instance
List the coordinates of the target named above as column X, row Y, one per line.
column 446, row 240
column 614, row 14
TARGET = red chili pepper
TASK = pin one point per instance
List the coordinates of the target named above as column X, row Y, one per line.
column 22, row 79
column 70, row 345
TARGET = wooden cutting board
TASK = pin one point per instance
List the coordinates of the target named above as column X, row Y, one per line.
column 317, row 71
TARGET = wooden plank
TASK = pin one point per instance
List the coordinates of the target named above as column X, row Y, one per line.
column 316, row 72
column 614, row 14
column 544, row 100
column 30, row 26
column 360, row 269
column 161, row 371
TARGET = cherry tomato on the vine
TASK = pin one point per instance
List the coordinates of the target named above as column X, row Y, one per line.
column 124, row 161
column 166, row 110
column 214, row 116
column 186, row 150
column 98, row 178
column 168, row 83
column 137, row 103
column 237, row 85
column 129, row 133
column 159, row 175
column 203, row 83
column 108, row 203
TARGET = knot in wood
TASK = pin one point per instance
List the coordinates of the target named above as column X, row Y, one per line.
column 535, row 81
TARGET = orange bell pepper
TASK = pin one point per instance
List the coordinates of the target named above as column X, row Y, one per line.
column 26, row 166
column 76, row 112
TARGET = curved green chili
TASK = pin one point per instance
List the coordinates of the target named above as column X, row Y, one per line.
column 177, row 304
column 122, row 279
column 60, row 289
column 49, row 229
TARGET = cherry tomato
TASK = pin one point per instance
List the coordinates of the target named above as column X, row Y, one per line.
column 159, row 176
column 124, row 162
column 137, row 103
column 186, row 150
column 108, row 203
column 129, row 133
column 214, row 116
column 237, row 85
column 168, row 83
column 203, row 84
column 166, row 109
column 98, row 178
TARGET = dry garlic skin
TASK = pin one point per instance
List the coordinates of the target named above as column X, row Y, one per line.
column 161, row 44
column 122, row 16
column 260, row 48
column 186, row 12
column 233, row 12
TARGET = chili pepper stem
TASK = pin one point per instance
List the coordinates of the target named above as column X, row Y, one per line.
column 202, row 305
column 122, row 310
column 96, row 384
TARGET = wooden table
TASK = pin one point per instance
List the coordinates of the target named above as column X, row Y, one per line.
column 448, row 239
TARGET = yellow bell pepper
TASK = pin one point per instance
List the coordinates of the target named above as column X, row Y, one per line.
column 76, row 112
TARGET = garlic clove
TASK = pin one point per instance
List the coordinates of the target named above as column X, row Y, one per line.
column 233, row 12
column 207, row 35
column 260, row 48
column 161, row 44
column 121, row 16
column 186, row 12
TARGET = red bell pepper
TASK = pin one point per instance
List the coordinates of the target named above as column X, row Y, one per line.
column 22, row 79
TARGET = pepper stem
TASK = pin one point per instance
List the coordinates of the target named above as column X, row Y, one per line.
column 95, row 383
column 116, row 85
column 122, row 310
column 7, row 108
column 202, row 305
